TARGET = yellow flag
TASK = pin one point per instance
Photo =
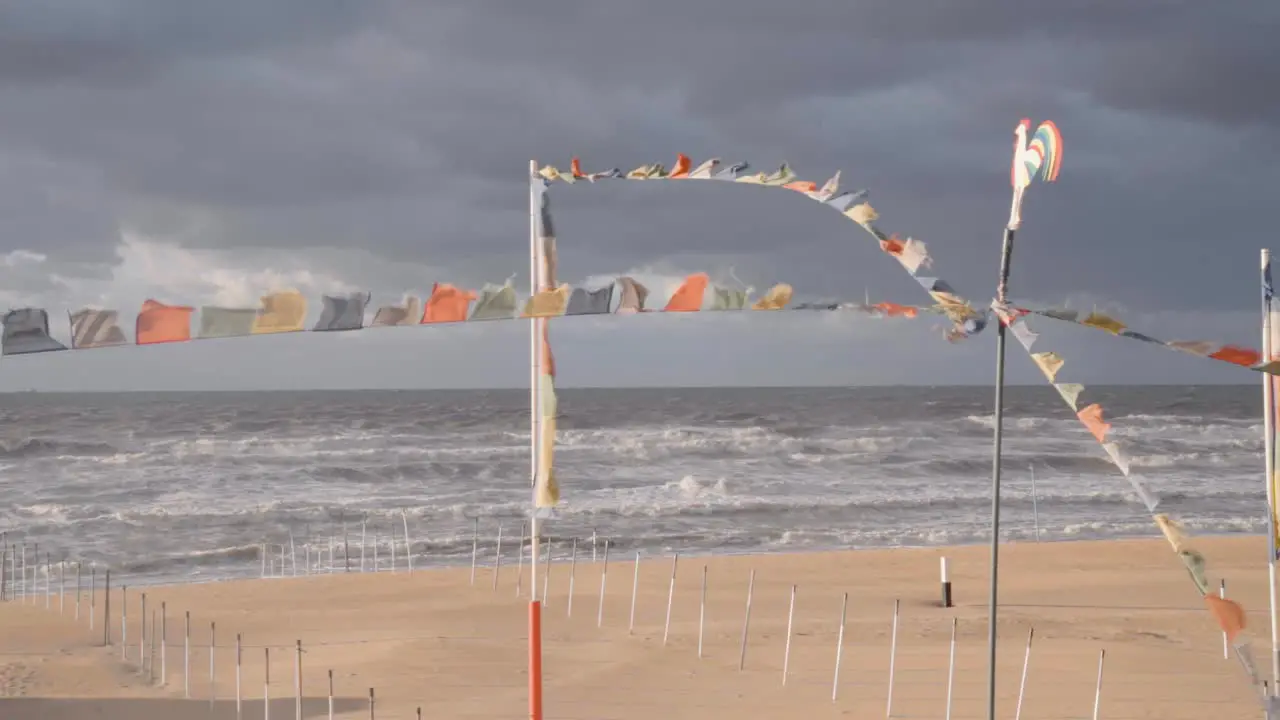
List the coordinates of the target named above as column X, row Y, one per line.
column 546, row 490
column 862, row 213
column 1050, row 363
column 1106, row 322
column 548, row 303
column 776, row 299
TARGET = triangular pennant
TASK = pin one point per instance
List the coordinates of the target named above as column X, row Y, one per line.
column 732, row 172
column 1117, row 456
column 862, row 213
column 1024, row 334
column 781, row 176
column 1069, row 392
column 828, row 189
column 681, row 169
column 845, row 200
column 914, row 256
column 705, row 170
column 1091, row 416
column 1049, row 363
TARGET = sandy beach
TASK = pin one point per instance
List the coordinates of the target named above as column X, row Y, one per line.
column 434, row 641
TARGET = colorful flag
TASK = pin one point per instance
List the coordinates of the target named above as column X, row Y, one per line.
column 95, row 328
column 281, row 312
column 160, row 323
column 546, row 490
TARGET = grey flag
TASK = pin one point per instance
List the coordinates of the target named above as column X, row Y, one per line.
column 633, row 295
column 729, row 299
column 495, row 304
column 408, row 314
column 342, row 313
column 27, row 331
column 590, row 302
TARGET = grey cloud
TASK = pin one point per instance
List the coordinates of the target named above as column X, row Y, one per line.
column 83, row 41
column 403, row 129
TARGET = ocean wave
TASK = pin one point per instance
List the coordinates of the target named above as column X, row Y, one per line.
column 50, row 447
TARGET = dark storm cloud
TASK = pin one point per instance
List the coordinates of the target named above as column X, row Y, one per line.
column 84, row 41
column 405, row 128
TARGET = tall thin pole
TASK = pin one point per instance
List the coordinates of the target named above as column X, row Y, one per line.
column 535, row 372
column 1269, row 445
column 998, row 439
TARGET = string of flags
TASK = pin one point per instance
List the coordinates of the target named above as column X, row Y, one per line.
column 1041, row 158
column 912, row 254
column 27, row 331
column 1224, row 352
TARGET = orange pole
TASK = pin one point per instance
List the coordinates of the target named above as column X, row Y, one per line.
column 535, row 660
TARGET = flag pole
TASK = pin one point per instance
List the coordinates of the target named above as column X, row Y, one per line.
column 1024, row 169
column 1269, row 455
column 535, row 371
column 997, row 439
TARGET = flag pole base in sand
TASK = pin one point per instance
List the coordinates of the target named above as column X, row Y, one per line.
column 535, row 660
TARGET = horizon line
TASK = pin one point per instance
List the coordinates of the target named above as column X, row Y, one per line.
column 602, row 387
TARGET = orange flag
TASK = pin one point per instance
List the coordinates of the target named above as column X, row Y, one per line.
column 688, row 298
column 893, row 245
column 895, row 310
column 1092, row 418
column 1229, row 614
column 447, row 304
column 681, row 170
column 160, row 323
column 1238, row 355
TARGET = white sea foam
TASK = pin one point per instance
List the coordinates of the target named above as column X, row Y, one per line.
column 190, row 488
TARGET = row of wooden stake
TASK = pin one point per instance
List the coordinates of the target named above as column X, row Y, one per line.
column 147, row 645
column 18, row 580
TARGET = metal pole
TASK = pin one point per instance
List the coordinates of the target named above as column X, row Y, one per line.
column 997, row 440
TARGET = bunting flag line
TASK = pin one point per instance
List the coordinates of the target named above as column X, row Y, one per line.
column 912, row 254
column 27, row 331
column 1232, row 354
column 1228, row 614
column 1042, row 159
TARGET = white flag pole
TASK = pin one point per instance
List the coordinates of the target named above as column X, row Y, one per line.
column 1269, row 445
column 536, row 272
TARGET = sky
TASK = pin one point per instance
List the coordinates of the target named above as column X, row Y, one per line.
column 209, row 153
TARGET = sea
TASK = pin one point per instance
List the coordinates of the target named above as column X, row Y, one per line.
column 180, row 487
